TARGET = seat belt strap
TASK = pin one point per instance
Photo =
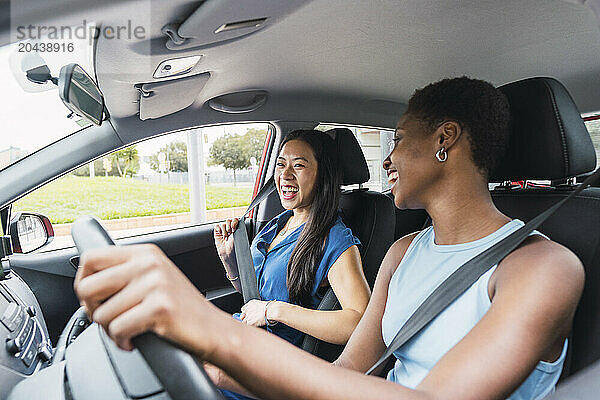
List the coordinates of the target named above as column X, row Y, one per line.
column 241, row 246
column 467, row 274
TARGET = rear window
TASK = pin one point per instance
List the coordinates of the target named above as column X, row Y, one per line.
column 592, row 123
column 374, row 143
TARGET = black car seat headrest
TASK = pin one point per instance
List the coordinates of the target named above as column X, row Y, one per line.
column 351, row 158
column 548, row 138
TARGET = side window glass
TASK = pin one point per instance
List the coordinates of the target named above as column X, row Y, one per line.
column 375, row 146
column 180, row 179
column 592, row 123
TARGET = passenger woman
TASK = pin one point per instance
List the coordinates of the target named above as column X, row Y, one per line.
column 505, row 337
column 302, row 251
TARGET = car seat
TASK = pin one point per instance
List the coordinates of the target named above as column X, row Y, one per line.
column 369, row 214
column 549, row 141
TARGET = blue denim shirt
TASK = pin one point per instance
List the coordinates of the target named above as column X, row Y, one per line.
column 271, row 267
column 271, row 270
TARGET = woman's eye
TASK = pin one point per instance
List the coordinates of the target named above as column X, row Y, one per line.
column 298, row 166
column 280, row 165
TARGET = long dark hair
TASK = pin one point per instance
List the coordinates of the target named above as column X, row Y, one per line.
column 306, row 256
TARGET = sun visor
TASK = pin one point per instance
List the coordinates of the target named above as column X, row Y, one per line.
column 163, row 98
column 217, row 21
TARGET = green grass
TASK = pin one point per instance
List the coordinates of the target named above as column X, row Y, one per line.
column 65, row 199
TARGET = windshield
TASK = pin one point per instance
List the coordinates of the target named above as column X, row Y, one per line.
column 32, row 115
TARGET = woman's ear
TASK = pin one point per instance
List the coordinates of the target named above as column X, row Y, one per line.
column 448, row 133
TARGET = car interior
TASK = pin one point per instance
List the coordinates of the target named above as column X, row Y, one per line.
column 296, row 65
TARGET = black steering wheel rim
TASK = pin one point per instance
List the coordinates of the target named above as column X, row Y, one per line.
column 181, row 375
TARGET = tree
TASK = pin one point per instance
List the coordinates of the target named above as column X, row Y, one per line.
column 234, row 151
column 255, row 140
column 124, row 162
column 229, row 151
column 176, row 154
column 127, row 161
column 85, row 169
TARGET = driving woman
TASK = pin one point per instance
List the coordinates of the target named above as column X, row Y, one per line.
column 505, row 337
column 304, row 250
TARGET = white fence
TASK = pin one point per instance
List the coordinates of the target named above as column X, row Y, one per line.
column 211, row 177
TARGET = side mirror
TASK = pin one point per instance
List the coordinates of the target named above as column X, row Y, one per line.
column 29, row 232
column 80, row 93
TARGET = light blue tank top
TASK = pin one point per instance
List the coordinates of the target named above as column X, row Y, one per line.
column 424, row 266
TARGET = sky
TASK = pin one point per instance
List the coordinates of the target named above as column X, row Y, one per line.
column 32, row 120
column 151, row 146
column 33, row 116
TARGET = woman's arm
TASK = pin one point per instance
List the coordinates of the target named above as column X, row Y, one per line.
column 535, row 295
column 366, row 345
column 133, row 289
column 273, row 369
column 349, row 285
column 223, row 236
column 224, row 381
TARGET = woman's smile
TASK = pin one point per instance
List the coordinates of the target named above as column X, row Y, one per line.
column 392, row 176
column 288, row 192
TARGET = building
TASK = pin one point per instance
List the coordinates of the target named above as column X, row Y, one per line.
column 10, row 155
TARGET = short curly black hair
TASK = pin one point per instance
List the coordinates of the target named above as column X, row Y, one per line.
column 476, row 105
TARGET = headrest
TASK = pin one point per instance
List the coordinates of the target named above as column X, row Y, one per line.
column 351, row 158
column 548, row 139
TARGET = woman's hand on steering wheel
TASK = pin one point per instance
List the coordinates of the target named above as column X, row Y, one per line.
column 135, row 289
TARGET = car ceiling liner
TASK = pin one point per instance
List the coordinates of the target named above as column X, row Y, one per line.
column 216, row 21
column 158, row 99
column 594, row 5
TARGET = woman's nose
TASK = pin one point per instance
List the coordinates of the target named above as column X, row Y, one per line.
column 387, row 163
column 287, row 172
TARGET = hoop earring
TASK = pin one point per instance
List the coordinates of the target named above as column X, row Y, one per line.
column 441, row 155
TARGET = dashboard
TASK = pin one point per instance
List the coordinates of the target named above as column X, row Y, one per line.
column 24, row 336
column 31, row 369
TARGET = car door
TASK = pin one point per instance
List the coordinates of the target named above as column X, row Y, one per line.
column 146, row 193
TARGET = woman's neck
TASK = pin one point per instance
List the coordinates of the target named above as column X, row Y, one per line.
column 294, row 221
column 457, row 218
column 300, row 215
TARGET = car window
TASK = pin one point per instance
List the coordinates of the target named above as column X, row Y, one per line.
column 592, row 123
column 375, row 144
column 33, row 113
column 184, row 178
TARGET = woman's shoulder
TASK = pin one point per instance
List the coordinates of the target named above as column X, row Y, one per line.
column 340, row 232
column 541, row 266
column 541, row 256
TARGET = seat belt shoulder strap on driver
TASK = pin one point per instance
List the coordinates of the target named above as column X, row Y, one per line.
column 241, row 246
column 467, row 274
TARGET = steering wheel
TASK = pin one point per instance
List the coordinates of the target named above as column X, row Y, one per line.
column 181, row 375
